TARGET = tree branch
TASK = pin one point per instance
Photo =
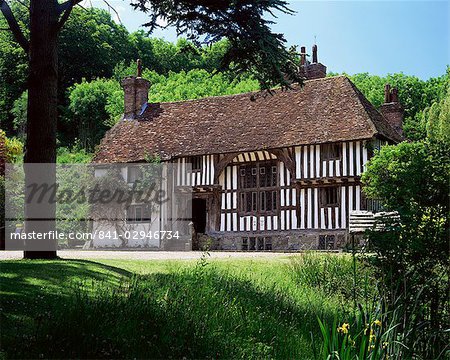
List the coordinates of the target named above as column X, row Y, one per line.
column 64, row 10
column 114, row 10
column 14, row 25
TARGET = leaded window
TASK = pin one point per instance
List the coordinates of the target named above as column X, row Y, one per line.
column 258, row 188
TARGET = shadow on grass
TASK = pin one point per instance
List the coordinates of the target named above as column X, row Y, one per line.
column 196, row 313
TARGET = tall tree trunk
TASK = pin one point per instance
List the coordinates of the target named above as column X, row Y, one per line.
column 40, row 144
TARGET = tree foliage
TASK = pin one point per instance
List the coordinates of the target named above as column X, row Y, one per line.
column 412, row 262
column 97, row 105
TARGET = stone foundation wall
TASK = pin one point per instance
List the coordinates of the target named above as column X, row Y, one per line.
column 287, row 240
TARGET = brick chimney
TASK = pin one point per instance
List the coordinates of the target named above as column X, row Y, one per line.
column 314, row 70
column 135, row 93
column 392, row 109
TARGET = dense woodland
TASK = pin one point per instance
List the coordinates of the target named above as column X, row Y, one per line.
column 95, row 53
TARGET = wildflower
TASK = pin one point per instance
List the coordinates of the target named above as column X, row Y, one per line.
column 377, row 323
column 371, row 347
column 351, row 341
column 372, row 337
column 344, row 328
column 385, row 344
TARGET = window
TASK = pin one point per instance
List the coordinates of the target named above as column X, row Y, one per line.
column 257, row 243
column 329, row 196
column 134, row 173
column 197, row 162
column 331, row 151
column 138, row 213
column 258, row 188
column 327, row 242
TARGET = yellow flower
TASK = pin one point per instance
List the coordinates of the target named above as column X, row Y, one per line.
column 371, row 347
column 372, row 338
column 385, row 344
column 343, row 328
column 377, row 322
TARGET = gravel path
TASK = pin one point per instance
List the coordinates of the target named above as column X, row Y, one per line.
column 146, row 255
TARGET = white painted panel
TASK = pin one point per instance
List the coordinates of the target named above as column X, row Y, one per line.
column 358, row 158
column 282, row 182
column 324, row 169
column 228, row 221
column 212, row 169
column 294, row 219
column 309, row 209
column 234, row 200
column 235, row 223
column 223, row 201
column 228, row 207
column 229, row 177
column 336, row 216
column 268, row 222
column 358, row 197
column 242, row 223
column 275, row 223
column 282, row 216
column 288, row 197
column 248, row 223
column 316, row 208
column 298, row 173
column 183, row 172
column 179, row 172
column 350, row 159
column 294, row 197
column 305, row 162
column 204, row 170
column 338, row 167
column 235, row 177
column 252, row 157
column 344, row 159
column 288, row 219
column 311, row 162
column 350, row 198
column 330, row 220
column 317, row 161
column 322, row 218
column 331, row 168
column 222, row 222
column 262, row 223
column 364, row 155
column 343, row 204
column 282, row 197
column 302, row 208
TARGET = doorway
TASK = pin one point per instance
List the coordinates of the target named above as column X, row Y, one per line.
column 199, row 215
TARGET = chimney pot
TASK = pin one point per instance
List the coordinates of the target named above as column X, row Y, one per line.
column 387, row 93
column 303, row 56
column 314, row 54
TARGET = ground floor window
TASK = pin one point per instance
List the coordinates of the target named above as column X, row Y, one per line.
column 138, row 213
column 327, row 242
column 256, row 243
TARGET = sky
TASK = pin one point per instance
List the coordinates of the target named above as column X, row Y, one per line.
column 378, row 37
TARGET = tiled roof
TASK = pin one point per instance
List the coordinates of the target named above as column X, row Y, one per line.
column 323, row 110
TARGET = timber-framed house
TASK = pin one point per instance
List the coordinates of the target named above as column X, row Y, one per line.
column 275, row 172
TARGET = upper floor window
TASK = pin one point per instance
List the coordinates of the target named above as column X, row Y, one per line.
column 329, row 196
column 258, row 188
column 134, row 173
column 331, row 151
column 196, row 162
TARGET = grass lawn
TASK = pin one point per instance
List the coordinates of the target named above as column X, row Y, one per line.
column 238, row 308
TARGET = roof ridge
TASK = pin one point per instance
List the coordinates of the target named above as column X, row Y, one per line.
column 295, row 86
